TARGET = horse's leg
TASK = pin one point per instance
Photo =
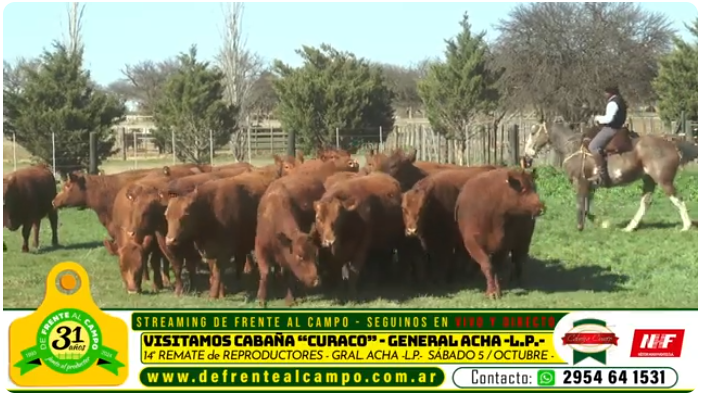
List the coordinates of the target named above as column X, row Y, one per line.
column 648, row 188
column 582, row 205
column 671, row 193
column 587, row 206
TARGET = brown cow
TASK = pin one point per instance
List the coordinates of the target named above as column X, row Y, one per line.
column 285, row 213
column 358, row 215
column 220, row 217
column 428, row 210
column 338, row 177
column 27, row 195
column 486, row 209
column 133, row 255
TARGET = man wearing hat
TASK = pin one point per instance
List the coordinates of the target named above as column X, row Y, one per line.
column 614, row 119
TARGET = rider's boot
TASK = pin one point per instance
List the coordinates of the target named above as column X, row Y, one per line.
column 603, row 180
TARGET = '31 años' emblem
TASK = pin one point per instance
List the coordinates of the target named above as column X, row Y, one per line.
column 68, row 340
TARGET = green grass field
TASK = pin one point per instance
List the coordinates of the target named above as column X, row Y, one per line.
column 654, row 267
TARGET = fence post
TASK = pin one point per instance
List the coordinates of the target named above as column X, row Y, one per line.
column 338, row 140
column 53, row 150
column 291, row 143
column 14, row 152
column 248, row 142
column 136, row 158
column 688, row 130
column 513, row 143
column 172, row 145
column 382, row 145
column 93, row 153
column 123, row 141
column 211, row 147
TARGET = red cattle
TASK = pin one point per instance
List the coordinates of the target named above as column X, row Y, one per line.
column 220, row 217
column 358, row 215
column 285, row 214
column 486, row 209
column 27, row 195
column 428, row 210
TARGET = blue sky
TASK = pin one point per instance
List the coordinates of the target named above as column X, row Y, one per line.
column 119, row 33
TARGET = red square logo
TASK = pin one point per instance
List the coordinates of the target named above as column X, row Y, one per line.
column 651, row 343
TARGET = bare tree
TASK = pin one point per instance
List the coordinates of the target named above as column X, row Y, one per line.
column 558, row 56
column 74, row 41
column 143, row 82
column 241, row 68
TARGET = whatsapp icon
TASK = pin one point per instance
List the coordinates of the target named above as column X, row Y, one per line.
column 546, row 377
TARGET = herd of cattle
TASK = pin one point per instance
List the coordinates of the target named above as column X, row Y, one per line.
column 323, row 219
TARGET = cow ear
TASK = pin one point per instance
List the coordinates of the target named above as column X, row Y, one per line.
column 277, row 159
column 515, row 184
column 411, row 157
column 72, row 177
column 284, row 240
column 350, row 203
column 300, row 156
column 166, row 171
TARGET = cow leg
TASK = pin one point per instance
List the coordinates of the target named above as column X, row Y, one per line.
column 216, row 290
column 355, row 267
column 291, row 281
column 172, row 259
column 263, row 271
column 155, row 262
column 482, row 258
column 53, row 220
column 26, row 230
column 36, row 226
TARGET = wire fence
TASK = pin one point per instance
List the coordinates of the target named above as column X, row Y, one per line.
column 481, row 143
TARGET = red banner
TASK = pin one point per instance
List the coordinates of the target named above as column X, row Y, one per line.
column 590, row 338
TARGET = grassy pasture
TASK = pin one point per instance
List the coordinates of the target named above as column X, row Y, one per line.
column 654, row 267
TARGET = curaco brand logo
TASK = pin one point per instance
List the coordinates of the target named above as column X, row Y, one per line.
column 589, row 338
column 649, row 343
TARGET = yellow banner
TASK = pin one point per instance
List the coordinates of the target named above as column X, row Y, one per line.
column 330, row 348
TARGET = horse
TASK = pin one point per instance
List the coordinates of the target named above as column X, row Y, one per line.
column 631, row 157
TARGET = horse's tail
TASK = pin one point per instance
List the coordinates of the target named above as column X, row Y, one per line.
column 688, row 152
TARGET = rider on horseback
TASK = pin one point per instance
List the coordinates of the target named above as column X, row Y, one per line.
column 614, row 119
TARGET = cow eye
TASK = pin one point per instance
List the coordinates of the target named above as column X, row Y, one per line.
column 300, row 258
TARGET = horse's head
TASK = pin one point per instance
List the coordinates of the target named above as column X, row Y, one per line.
column 537, row 139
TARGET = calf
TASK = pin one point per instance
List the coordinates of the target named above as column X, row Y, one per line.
column 26, row 199
column 358, row 215
column 428, row 211
column 220, row 217
column 487, row 211
column 285, row 214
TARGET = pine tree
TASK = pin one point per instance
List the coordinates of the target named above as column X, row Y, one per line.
column 333, row 90
column 58, row 98
column 191, row 108
column 677, row 81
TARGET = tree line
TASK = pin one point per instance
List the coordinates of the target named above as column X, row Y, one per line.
column 549, row 58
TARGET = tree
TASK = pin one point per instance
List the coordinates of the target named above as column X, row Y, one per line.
column 403, row 82
column 263, row 98
column 557, row 57
column 59, row 98
column 333, row 90
column 192, row 108
column 143, row 83
column 460, row 87
column 241, row 68
column 677, row 82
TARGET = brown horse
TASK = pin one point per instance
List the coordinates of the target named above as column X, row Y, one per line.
column 631, row 157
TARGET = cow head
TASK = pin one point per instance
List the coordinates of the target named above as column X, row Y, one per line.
column 286, row 164
column 146, row 210
column 301, row 253
column 413, row 204
column 373, row 160
column 521, row 195
column 11, row 203
column 330, row 213
column 131, row 265
column 74, row 192
column 179, row 217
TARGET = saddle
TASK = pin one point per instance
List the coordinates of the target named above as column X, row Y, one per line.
column 621, row 142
